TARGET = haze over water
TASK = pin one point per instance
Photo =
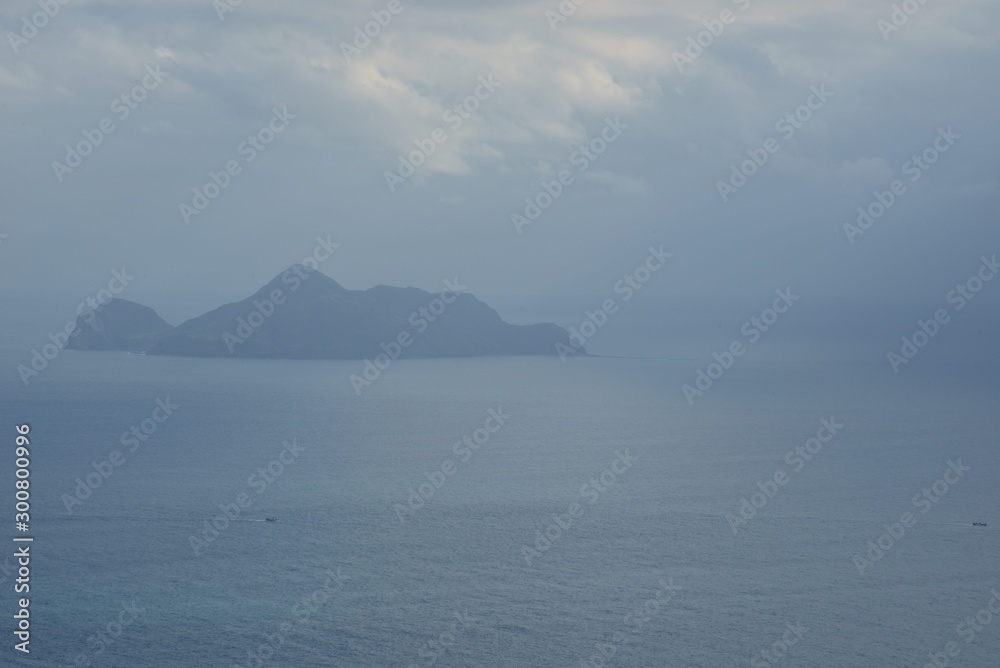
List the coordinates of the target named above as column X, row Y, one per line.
column 405, row 575
column 772, row 225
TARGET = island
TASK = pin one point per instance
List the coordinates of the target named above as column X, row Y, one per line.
column 304, row 314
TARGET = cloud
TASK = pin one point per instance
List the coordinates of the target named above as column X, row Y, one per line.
column 354, row 119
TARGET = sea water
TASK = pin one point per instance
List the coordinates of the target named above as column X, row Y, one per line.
column 503, row 512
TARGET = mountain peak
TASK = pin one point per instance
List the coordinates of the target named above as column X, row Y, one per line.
column 300, row 276
column 119, row 324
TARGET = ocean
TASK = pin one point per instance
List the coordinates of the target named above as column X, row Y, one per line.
column 505, row 512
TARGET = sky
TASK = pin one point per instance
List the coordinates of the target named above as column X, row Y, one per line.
column 494, row 102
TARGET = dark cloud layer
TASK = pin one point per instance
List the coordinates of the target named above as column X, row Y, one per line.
column 656, row 184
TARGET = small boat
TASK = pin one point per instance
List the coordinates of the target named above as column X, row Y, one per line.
column 979, row 524
column 270, row 519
